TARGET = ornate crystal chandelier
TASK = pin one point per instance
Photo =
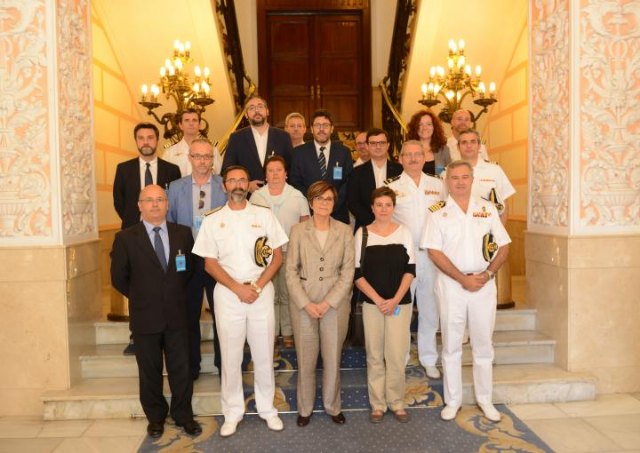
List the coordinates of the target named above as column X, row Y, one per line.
column 176, row 83
column 459, row 82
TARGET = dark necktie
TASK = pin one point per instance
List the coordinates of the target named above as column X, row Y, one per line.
column 147, row 175
column 159, row 247
column 323, row 162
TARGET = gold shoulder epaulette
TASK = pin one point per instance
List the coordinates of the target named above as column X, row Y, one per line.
column 436, row 207
column 211, row 211
column 491, row 162
column 390, row 180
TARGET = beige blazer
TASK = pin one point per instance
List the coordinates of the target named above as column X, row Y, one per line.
column 314, row 274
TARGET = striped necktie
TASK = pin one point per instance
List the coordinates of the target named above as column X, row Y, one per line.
column 323, row 162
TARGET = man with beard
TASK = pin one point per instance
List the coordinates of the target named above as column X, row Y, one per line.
column 134, row 175
column 323, row 159
column 251, row 146
column 461, row 121
column 241, row 244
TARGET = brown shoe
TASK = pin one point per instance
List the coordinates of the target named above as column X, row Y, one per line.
column 401, row 416
column 287, row 341
column 376, row 416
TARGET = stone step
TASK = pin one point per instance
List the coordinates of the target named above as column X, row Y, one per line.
column 511, row 347
column 118, row 397
column 108, row 332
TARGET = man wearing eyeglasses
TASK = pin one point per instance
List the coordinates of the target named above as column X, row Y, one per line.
column 151, row 264
column 252, row 145
column 322, row 159
column 415, row 193
column 362, row 149
column 241, row 244
column 190, row 199
column 370, row 175
column 189, row 124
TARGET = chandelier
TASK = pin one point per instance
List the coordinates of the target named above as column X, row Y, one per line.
column 458, row 83
column 176, row 83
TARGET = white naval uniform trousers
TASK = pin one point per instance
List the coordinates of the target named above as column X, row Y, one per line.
column 459, row 237
column 412, row 204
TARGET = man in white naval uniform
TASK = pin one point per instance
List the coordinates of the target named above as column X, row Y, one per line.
column 461, row 121
column 489, row 180
column 415, row 192
column 178, row 154
column 468, row 243
column 241, row 244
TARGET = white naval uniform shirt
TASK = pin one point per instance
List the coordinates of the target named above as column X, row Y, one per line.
column 230, row 237
column 413, row 202
column 178, row 154
column 460, row 235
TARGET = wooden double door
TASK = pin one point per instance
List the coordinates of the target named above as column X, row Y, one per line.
column 311, row 59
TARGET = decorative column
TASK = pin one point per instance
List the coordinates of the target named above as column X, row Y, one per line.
column 583, row 239
column 49, row 251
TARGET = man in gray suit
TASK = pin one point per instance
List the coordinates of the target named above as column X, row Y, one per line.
column 190, row 199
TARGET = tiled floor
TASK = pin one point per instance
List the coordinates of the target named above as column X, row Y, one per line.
column 609, row 424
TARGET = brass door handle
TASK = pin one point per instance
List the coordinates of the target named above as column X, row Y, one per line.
column 318, row 90
column 311, row 92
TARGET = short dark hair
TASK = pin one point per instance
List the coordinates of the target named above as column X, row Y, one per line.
column 383, row 191
column 146, row 126
column 275, row 158
column 256, row 96
column 321, row 113
column 375, row 131
column 318, row 188
column 189, row 110
column 226, row 171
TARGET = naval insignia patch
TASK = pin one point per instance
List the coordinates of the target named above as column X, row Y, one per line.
column 262, row 251
column 436, row 207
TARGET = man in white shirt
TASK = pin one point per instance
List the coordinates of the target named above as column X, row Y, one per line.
column 362, row 148
column 461, row 121
column 295, row 126
column 189, row 124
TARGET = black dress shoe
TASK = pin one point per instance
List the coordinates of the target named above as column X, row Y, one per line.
column 155, row 430
column 195, row 376
column 130, row 349
column 339, row 419
column 303, row 421
column 191, row 427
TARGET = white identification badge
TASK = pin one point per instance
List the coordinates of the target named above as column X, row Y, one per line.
column 337, row 172
column 197, row 222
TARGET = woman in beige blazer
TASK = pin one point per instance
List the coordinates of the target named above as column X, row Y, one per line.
column 319, row 273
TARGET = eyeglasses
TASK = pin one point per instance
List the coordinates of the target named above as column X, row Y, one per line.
column 321, row 126
column 201, row 200
column 235, row 182
column 361, row 143
column 253, row 108
column 153, row 200
column 201, row 156
column 321, row 199
column 377, row 143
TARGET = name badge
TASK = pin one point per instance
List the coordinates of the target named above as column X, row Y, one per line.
column 197, row 222
column 337, row 172
column 181, row 262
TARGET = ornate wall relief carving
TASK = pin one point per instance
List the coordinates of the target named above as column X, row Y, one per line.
column 550, row 109
column 610, row 113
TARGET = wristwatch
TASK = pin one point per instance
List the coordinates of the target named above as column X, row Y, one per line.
column 255, row 286
column 491, row 274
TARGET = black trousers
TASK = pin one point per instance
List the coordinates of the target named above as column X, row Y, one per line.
column 200, row 280
column 149, row 353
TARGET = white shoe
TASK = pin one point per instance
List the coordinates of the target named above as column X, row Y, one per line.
column 274, row 423
column 490, row 412
column 432, row 372
column 449, row 412
column 228, row 429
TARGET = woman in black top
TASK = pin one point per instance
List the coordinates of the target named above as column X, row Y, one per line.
column 384, row 277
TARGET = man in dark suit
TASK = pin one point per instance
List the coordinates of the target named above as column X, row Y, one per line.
column 323, row 159
column 369, row 176
column 252, row 145
column 133, row 175
column 151, row 264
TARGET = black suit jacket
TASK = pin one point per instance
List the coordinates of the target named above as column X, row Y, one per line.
column 127, row 187
column 157, row 299
column 242, row 150
column 305, row 170
column 361, row 184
